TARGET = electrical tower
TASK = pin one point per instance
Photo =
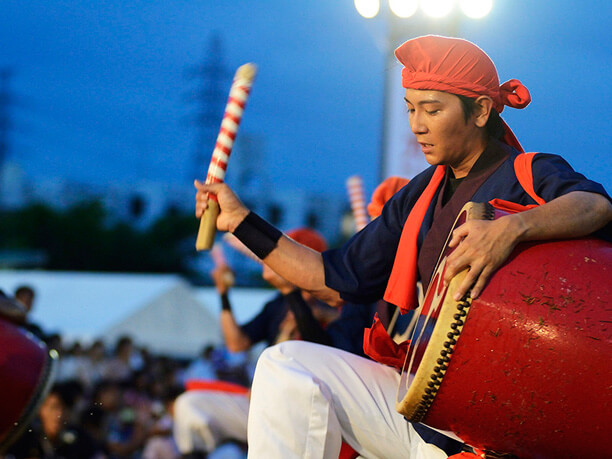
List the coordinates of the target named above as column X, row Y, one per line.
column 6, row 100
column 213, row 83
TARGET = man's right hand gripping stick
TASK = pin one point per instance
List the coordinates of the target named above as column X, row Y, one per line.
column 238, row 96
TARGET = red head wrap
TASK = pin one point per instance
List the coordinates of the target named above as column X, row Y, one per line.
column 309, row 238
column 459, row 67
column 383, row 193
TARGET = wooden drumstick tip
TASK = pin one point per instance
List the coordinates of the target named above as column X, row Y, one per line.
column 246, row 72
column 208, row 227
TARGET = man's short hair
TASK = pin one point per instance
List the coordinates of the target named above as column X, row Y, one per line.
column 24, row 290
column 494, row 125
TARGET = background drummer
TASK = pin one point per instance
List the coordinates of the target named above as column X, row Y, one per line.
column 205, row 419
column 454, row 99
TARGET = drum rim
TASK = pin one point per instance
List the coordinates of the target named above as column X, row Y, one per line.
column 434, row 363
column 437, row 356
column 42, row 389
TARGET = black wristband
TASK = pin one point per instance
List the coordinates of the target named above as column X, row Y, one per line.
column 258, row 235
column 225, row 304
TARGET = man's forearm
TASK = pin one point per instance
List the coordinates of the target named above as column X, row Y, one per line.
column 297, row 264
column 234, row 337
column 302, row 267
column 484, row 245
column 294, row 262
column 575, row 214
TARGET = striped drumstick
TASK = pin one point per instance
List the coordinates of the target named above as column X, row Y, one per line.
column 238, row 96
column 354, row 187
column 221, row 263
column 218, row 255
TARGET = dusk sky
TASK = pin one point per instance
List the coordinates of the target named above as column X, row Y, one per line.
column 101, row 93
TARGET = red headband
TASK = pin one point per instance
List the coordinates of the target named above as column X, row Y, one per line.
column 309, row 238
column 459, row 67
column 383, row 193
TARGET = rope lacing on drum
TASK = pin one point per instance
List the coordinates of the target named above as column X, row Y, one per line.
column 436, row 377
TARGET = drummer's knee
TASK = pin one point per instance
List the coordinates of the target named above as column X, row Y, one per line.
column 282, row 352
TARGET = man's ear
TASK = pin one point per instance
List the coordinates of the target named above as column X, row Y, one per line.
column 482, row 110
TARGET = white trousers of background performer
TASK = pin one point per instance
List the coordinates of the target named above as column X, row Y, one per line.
column 306, row 398
column 204, row 419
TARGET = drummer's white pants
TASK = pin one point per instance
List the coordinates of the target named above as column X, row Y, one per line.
column 204, row 419
column 306, row 397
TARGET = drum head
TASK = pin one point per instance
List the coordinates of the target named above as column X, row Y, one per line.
column 435, row 334
column 432, row 342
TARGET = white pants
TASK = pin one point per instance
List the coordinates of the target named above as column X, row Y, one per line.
column 204, row 419
column 306, row 398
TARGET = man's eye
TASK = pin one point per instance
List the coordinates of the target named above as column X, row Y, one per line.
column 410, row 110
column 433, row 112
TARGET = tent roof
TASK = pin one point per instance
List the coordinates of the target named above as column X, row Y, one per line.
column 85, row 305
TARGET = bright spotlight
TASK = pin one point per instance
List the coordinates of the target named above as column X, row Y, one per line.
column 437, row 8
column 403, row 8
column 476, row 9
column 367, row 8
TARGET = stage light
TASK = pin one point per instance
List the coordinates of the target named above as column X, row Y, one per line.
column 403, row 8
column 476, row 9
column 437, row 8
column 367, row 8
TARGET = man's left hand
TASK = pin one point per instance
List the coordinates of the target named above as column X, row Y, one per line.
column 482, row 246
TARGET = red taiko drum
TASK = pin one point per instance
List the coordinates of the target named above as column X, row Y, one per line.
column 26, row 374
column 525, row 368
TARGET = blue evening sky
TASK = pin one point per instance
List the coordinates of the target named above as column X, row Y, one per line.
column 101, row 91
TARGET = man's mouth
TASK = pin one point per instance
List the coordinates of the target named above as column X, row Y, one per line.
column 426, row 147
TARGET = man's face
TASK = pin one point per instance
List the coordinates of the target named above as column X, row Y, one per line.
column 52, row 415
column 272, row 278
column 27, row 299
column 437, row 121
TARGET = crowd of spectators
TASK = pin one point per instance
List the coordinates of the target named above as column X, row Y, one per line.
column 115, row 402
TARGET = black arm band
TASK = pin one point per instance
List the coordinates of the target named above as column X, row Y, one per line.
column 225, row 304
column 258, row 235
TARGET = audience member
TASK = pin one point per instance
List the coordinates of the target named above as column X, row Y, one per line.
column 52, row 435
column 26, row 295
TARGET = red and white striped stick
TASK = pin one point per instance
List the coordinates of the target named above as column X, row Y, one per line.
column 238, row 96
column 218, row 256
column 221, row 263
column 354, row 187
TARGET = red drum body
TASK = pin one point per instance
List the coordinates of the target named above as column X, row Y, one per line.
column 525, row 368
column 26, row 374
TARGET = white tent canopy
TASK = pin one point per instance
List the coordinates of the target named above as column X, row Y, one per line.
column 173, row 323
column 160, row 311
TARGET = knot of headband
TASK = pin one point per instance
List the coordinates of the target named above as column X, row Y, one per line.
column 512, row 93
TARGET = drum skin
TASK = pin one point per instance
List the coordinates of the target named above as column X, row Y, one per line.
column 25, row 376
column 531, row 371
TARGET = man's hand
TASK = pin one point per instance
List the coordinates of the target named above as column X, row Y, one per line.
column 223, row 278
column 232, row 210
column 482, row 246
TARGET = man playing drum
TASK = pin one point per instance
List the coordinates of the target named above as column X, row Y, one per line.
column 304, row 401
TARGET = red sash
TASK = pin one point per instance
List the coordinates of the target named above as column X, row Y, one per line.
column 401, row 287
column 214, row 385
